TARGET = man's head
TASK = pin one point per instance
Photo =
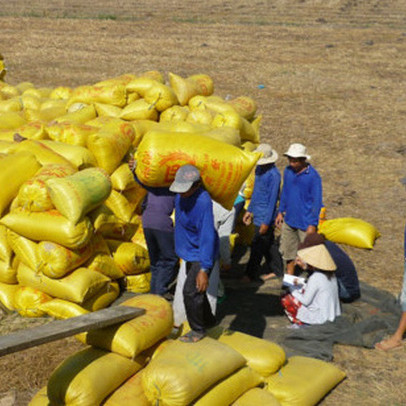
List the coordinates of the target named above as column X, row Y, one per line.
column 187, row 180
column 269, row 155
column 297, row 156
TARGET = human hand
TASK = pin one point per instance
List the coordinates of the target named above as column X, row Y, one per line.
column 263, row 228
column 202, row 281
column 279, row 220
column 247, row 218
column 311, row 230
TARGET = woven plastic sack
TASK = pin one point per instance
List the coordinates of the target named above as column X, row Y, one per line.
column 107, row 110
column 174, row 113
column 8, row 91
column 40, row 398
column 14, row 171
column 6, row 251
column 351, row 231
column 245, row 106
column 131, row 258
column 25, row 250
column 136, row 335
column 103, row 298
column 79, row 157
column 139, row 110
column 161, row 97
column 110, row 144
column 182, row 372
column 7, row 147
column 8, row 274
column 109, row 94
column 264, row 357
column 71, row 133
column 120, row 206
column 225, row 134
column 62, row 309
column 33, row 194
column 75, row 195
column 7, row 292
column 61, row 92
column 11, row 120
column 192, row 86
column 226, row 391
column 130, row 393
column 89, row 376
column 27, row 301
column 78, row 286
column 34, row 130
column 105, row 264
column 140, row 283
column 304, row 381
column 45, row 114
column 223, row 167
column 80, row 116
column 30, row 101
column 256, row 396
column 11, row 105
column 122, row 178
column 49, row 226
column 135, row 197
column 141, row 85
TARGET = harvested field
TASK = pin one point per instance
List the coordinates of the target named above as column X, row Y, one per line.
column 333, row 77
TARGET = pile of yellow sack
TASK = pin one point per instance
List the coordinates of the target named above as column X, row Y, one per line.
column 70, row 228
column 138, row 363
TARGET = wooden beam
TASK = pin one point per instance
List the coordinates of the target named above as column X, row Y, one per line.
column 58, row 329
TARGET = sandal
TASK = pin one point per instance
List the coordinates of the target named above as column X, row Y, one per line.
column 191, row 337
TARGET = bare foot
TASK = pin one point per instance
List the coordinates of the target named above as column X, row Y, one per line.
column 389, row 344
column 268, row 276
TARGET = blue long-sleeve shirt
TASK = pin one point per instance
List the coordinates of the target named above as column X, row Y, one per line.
column 301, row 197
column 265, row 194
column 196, row 238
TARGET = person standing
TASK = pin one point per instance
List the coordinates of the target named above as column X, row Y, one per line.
column 300, row 203
column 262, row 212
column 197, row 244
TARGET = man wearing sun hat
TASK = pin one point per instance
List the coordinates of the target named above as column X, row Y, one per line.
column 262, row 212
column 197, row 244
column 300, row 203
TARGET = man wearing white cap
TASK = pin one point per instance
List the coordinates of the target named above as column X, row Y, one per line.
column 300, row 203
column 262, row 212
column 197, row 244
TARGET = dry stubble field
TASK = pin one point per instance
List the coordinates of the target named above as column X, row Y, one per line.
column 333, row 76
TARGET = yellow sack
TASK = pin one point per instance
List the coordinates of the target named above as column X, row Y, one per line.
column 71, row 133
column 105, row 264
column 7, row 273
column 120, row 206
column 136, row 335
column 44, row 154
column 139, row 237
column 100, row 122
column 256, row 396
column 160, row 96
column 7, row 293
column 34, row 130
column 262, row 356
column 192, row 86
column 244, row 106
column 45, row 114
column 103, row 298
column 140, row 283
column 6, row 251
column 75, row 195
column 153, row 74
column 33, row 194
column 79, row 157
column 7, row 147
column 350, row 231
column 109, row 94
column 130, row 393
column 225, row 134
column 89, row 376
column 226, row 391
column 181, row 372
column 40, row 398
column 40, row 92
column 8, row 91
column 183, row 127
column 78, row 286
column 131, row 258
column 135, row 197
column 119, row 80
column 200, row 116
column 304, row 381
column 10, row 105
column 107, row 110
column 80, row 116
column 122, row 178
column 62, row 309
column 175, row 113
column 30, row 101
column 57, row 260
column 25, row 250
column 53, row 104
column 141, row 127
column 223, row 167
column 27, row 301
column 110, row 144
column 61, row 92
column 141, row 85
column 49, row 226
column 14, row 171
column 139, row 110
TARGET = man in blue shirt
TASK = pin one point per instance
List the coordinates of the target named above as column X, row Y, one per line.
column 197, row 244
column 262, row 212
column 300, row 203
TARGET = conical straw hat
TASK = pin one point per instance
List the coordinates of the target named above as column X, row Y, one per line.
column 318, row 257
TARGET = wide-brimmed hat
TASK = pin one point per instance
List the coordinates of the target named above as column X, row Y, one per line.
column 312, row 240
column 297, row 151
column 318, row 257
column 185, row 177
column 269, row 155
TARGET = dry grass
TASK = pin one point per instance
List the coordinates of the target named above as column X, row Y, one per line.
column 333, row 73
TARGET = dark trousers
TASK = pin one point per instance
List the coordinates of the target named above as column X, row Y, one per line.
column 163, row 259
column 197, row 307
column 264, row 245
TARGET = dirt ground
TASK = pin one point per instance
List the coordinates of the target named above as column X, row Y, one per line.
column 329, row 74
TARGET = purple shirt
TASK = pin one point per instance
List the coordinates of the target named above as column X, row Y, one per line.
column 158, row 210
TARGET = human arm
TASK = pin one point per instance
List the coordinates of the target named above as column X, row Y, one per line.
column 202, row 281
column 316, row 192
column 307, row 296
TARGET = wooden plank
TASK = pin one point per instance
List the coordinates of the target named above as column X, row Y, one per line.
column 58, row 329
